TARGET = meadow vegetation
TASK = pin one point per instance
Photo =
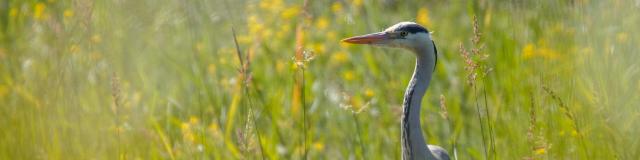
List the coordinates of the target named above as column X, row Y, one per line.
column 270, row 79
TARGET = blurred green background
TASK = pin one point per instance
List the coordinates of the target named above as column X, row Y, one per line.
column 161, row 79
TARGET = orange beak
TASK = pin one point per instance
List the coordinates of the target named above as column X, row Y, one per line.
column 367, row 39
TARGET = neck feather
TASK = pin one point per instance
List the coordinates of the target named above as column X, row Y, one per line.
column 413, row 143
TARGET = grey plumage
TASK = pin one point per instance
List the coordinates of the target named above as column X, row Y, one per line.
column 413, row 37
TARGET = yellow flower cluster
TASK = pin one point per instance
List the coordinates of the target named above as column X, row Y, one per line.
column 339, row 57
column 283, row 31
column 215, row 131
column 39, row 11
column 357, row 3
column 13, row 12
column 256, row 27
column 539, row 50
column 348, row 75
column 336, row 7
column 319, row 146
column 68, row 13
column 322, row 23
column 540, row 151
column 318, row 48
column 423, row 17
column 272, row 5
column 290, row 13
column 187, row 129
column 369, row 92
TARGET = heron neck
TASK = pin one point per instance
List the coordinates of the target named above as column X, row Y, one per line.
column 413, row 143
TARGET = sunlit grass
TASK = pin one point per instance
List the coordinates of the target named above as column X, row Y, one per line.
column 162, row 79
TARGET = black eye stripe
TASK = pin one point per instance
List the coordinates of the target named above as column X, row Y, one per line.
column 412, row 29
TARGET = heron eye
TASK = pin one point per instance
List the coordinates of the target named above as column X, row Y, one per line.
column 404, row 33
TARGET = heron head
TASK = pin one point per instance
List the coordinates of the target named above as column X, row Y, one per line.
column 407, row 35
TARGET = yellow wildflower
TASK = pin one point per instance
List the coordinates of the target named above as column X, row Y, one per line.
column 322, row 23
column 487, row 17
column 348, row 75
column 318, row 48
column 255, row 26
column 194, row 120
column 252, row 20
column 13, row 12
column 68, row 13
column 369, row 92
column 357, row 104
column 548, row 53
column 271, row 5
column 185, row 126
column 339, row 56
column 541, row 50
column 319, row 146
column 290, row 12
column 528, row 50
column 267, row 33
column 336, row 7
column 215, row 130
column 423, row 17
column 540, row 151
column 38, row 11
column 357, row 3
column 283, row 31
column 244, row 39
column 189, row 136
column 345, row 45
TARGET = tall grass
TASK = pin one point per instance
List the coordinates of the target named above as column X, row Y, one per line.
column 477, row 70
column 166, row 79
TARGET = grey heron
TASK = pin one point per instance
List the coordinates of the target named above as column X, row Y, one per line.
column 415, row 38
